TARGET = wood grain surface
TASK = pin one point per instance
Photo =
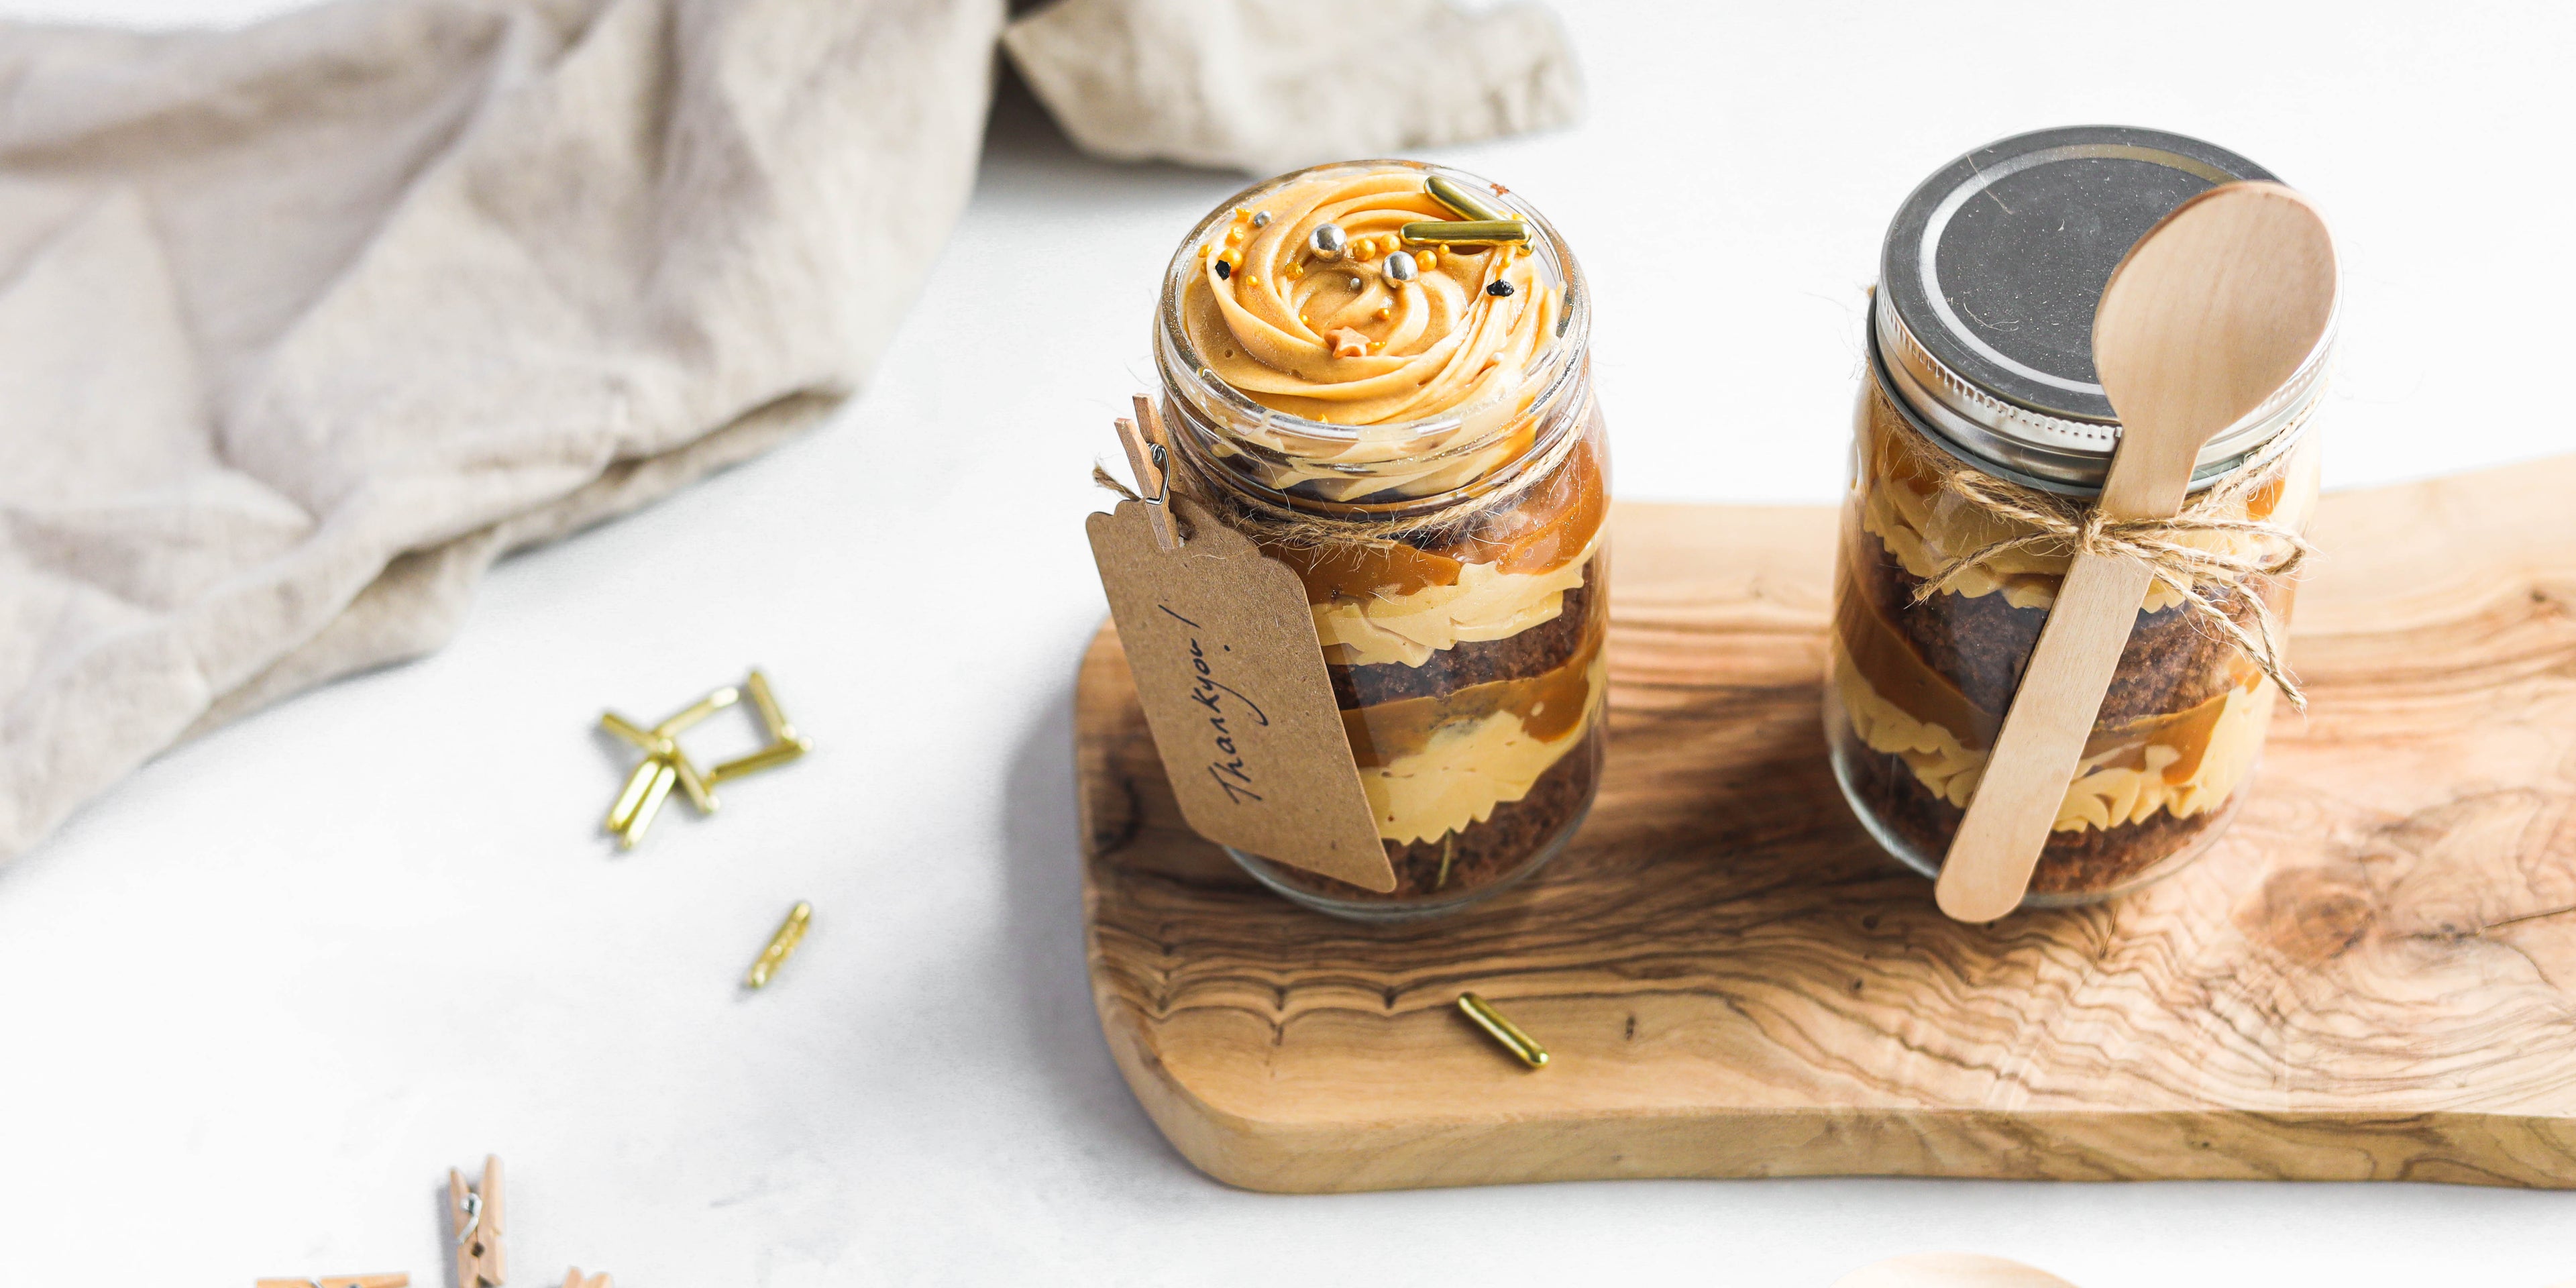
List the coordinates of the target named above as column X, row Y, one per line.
column 2372, row 976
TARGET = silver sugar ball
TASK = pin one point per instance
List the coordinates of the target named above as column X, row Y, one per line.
column 1328, row 241
column 1400, row 268
column 1261, row 219
column 1355, row 283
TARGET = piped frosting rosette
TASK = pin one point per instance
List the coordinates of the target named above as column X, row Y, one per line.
column 1432, row 365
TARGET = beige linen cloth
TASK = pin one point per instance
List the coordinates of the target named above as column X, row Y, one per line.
column 1266, row 86
column 303, row 325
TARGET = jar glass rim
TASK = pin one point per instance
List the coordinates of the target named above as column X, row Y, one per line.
column 2282, row 423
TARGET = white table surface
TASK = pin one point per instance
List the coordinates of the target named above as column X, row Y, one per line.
column 255, row 1001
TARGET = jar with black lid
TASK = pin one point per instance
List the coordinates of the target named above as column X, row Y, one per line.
column 1981, row 424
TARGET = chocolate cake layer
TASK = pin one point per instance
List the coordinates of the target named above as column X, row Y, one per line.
column 2172, row 662
column 1536, row 651
column 1485, row 852
column 2091, row 861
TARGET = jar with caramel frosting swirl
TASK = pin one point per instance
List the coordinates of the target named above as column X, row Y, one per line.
column 1981, row 416
column 1407, row 422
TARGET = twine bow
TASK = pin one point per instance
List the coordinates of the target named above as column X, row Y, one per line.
column 2201, row 575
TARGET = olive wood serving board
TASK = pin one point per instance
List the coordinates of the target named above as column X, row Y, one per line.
column 2372, row 976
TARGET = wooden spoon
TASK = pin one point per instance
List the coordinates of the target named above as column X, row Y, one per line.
column 2204, row 319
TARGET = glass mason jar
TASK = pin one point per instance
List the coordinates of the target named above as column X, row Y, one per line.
column 1410, row 427
column 1981, row 371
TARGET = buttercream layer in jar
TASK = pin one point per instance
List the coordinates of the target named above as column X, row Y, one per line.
column 1919, row 688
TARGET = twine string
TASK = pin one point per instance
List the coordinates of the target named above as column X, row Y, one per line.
column 2202, row 576
column 1101, row 477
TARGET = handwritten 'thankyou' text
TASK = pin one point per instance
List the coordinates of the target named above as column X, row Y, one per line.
column 1224, row 704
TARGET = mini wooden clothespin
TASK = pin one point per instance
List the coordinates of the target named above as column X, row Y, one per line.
column 1147, row 455
column 340, row 1281
column 665, row 765
column 574, row 1278
column 475, row 1215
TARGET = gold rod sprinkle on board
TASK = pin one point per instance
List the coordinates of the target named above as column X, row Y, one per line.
column 782, row 945
column 1467, row 230
column 1504, row 1031
column 1465, row 202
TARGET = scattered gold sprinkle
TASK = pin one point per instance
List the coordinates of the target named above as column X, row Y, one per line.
column 1425, row 260
column 1233, row 235
column 1385, row 312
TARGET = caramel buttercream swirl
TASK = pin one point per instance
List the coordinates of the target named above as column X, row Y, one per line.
column 1349, row 340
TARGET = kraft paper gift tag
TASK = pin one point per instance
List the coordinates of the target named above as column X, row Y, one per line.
column 1233, row 684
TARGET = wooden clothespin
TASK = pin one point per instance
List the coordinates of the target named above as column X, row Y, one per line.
column 475, row 1215
column 340, row 1281
column 1147, row 451
column 575, row 1279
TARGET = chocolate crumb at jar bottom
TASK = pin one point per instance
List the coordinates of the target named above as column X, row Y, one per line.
column 2074, row 867
column 1516, row 840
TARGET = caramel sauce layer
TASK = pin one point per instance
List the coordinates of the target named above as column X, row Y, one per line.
column 1548, row 527
column 1550, row 706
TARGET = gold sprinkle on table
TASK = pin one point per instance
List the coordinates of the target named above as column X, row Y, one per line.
column 782, row 946
column 1520, row 1044
column 666, row 766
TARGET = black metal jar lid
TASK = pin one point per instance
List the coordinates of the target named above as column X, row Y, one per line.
column 1983, row 325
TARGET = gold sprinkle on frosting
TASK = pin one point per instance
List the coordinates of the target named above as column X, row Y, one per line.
column 1287, row 334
